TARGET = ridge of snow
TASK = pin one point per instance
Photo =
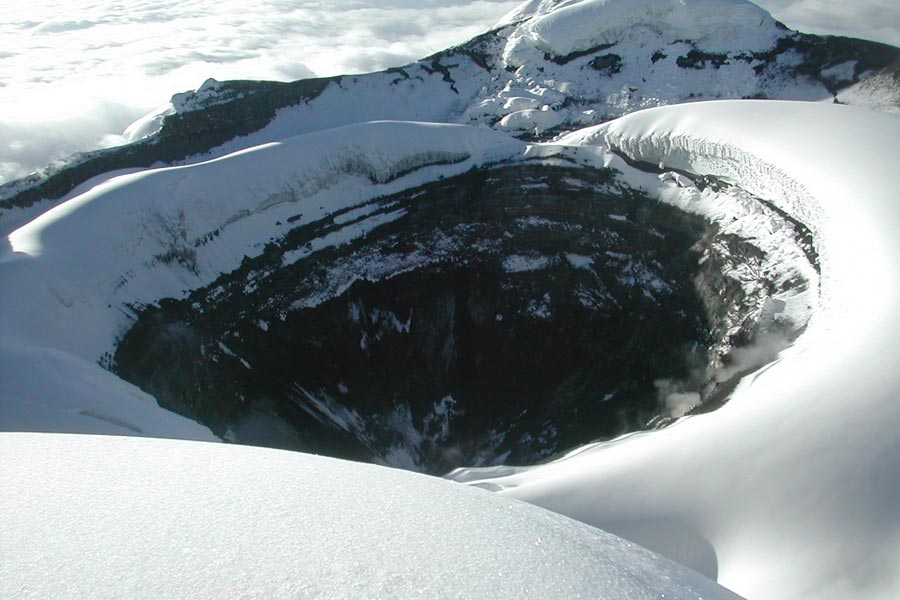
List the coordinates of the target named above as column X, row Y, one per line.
column 713, row 25
column 790, row 489
column 173, row 519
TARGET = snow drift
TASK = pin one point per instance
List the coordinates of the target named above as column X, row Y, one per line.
column 175, row 519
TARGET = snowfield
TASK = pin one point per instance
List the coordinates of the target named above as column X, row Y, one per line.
column 714, row 25
column 112, row 517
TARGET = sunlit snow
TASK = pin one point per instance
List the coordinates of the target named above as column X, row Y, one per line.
column 176, row 519
column 123, row 59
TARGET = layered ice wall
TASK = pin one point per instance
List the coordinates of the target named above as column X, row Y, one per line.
column 72, row 276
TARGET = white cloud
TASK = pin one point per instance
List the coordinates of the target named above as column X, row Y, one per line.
column 73, row 75
column 877, row 20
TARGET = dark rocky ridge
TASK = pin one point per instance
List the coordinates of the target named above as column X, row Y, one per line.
column 241, row 108
column 509, row 314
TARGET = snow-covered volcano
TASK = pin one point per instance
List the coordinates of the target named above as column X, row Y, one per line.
column 288, row 226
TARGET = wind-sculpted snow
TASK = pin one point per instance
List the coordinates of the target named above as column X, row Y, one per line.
column 685, row 150
column 791, row 489
column 175, row 519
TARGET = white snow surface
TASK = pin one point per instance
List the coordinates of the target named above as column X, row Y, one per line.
column 111, row 517
column 714, row 25
column 792, row 489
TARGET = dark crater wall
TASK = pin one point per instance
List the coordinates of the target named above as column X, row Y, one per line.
column 507, row 315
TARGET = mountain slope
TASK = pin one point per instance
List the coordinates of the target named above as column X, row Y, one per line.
column 547, row 68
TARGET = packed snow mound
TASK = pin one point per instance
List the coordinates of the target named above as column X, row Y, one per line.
column 790, row 489
column 44, row 389
column 107, row 517
column 712, row 25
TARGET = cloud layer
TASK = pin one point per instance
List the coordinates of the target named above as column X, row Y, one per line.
column 74, row 75
column 877, row 20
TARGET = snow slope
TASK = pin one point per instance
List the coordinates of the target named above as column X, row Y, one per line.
column 175, row 519
column 811, row 436
column 792, row 489
column 714, row 25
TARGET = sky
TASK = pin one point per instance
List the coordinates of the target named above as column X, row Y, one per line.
column 75, row 74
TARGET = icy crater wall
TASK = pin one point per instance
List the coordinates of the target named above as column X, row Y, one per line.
column 481, row 317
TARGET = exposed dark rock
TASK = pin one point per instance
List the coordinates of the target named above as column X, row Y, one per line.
column 607, row 64
column 697, row 59
column 483, row 50
column 508, row 315
column 815, row 54
column 562, row 60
